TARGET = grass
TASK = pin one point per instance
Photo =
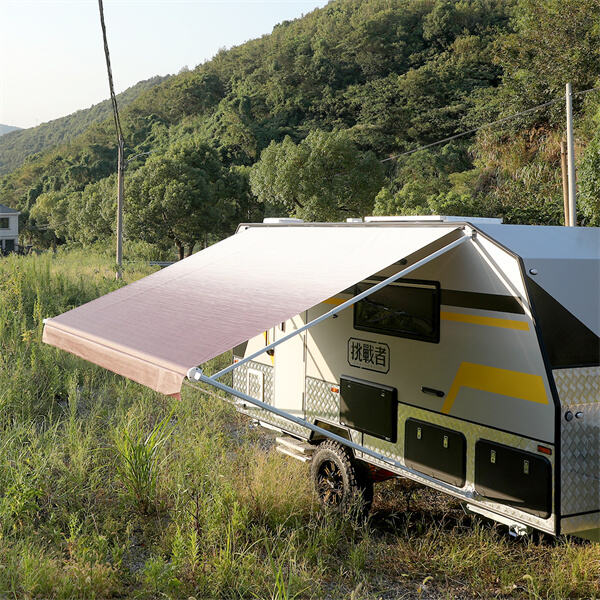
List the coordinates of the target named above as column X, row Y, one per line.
column 139, row 460
column 108, row 490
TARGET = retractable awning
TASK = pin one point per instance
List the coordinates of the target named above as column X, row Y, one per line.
column 155, row 329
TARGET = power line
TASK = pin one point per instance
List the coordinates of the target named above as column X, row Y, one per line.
column 470, row 131
column 594, row 89
column 476, row 129
column 113, row 98
column 121, row 155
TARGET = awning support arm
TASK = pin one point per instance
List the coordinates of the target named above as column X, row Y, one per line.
column 193, row 372
column 201, row 378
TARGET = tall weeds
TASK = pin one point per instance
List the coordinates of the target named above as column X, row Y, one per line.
column 110, row 490
column 139, row 460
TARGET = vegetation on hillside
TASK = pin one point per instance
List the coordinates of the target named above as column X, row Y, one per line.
column 23, row 143
column 109, row 490
column 313, row 103
column 4, row 129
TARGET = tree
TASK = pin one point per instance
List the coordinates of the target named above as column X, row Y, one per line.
column 323, row 178
column 553, row 42
column 185, row 195
column 47, row 221
column 92, row 213
column 589, row 175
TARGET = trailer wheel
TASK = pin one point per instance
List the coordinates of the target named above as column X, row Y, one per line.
column 340, row 481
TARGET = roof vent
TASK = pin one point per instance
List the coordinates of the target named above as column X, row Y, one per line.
column 276, row 220
column 431, row 219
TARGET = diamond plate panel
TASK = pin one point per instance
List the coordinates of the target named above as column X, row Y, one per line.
column 249, row 385
column 241, row 383
column 255, row 384
column 579, row 392
column 320, row 401
column 240, row 379
column 472, row 433
column 356, row 436
column 580, row 523
column 578, row 386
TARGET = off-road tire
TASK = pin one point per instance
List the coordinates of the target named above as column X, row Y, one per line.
column 340, row 481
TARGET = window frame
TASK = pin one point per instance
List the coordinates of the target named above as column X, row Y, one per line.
column 423, row 284
column 7, row 219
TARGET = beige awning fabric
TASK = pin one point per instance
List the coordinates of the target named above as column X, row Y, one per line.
column 155, row 329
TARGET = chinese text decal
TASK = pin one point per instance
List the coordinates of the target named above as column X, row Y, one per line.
column 365, row 354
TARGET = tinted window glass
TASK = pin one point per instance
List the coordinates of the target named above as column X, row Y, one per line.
column 410, row 309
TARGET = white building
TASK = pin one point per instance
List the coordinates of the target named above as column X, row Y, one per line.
column 9, row 228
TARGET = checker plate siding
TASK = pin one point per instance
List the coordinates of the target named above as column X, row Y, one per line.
column 579, row 391
column 321, row 401
column 240, row 383
column 580, row 523
column 240, row 380
column 472, row 432
column 255, row 384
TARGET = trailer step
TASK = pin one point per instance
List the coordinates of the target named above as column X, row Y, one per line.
column 297, row 449
column 289, row 452
column 299, row 446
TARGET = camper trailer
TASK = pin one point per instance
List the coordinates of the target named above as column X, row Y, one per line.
column 461, row 353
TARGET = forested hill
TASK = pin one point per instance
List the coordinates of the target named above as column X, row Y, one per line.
column 20, row 144
column 296, row 122
column 4, row 129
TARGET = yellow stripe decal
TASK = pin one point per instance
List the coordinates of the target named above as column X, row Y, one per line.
column 489, row 321
column 335, row 301
column 498, row 381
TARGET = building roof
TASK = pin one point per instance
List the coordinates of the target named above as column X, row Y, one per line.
column 5, row 210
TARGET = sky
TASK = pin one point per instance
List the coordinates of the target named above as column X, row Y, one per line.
column 52, row 58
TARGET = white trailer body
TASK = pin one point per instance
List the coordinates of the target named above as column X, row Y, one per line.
column 461, row 353
column 505, row 374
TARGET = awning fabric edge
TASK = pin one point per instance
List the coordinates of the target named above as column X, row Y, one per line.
column 156, row 377
column 153, row 333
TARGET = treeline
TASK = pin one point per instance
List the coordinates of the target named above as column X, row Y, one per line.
column 298, row 121
column 4, row 129
column 23, row 143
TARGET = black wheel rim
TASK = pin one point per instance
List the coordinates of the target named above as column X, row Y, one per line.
column 330, row 483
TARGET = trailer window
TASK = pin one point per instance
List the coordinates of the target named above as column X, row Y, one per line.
column 410, row 309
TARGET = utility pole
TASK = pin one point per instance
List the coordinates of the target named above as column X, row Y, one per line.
column 121, row 146
column 571, row 159
column 565, row 184
column 120, row 176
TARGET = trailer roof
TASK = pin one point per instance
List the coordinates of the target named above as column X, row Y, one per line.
column 155, row 329
column 564, row 261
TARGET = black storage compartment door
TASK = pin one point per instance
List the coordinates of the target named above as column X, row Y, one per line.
column 435, row 451
column 369, row 407
column 510, row 476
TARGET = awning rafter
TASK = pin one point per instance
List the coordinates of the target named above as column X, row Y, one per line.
column 194, row 372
